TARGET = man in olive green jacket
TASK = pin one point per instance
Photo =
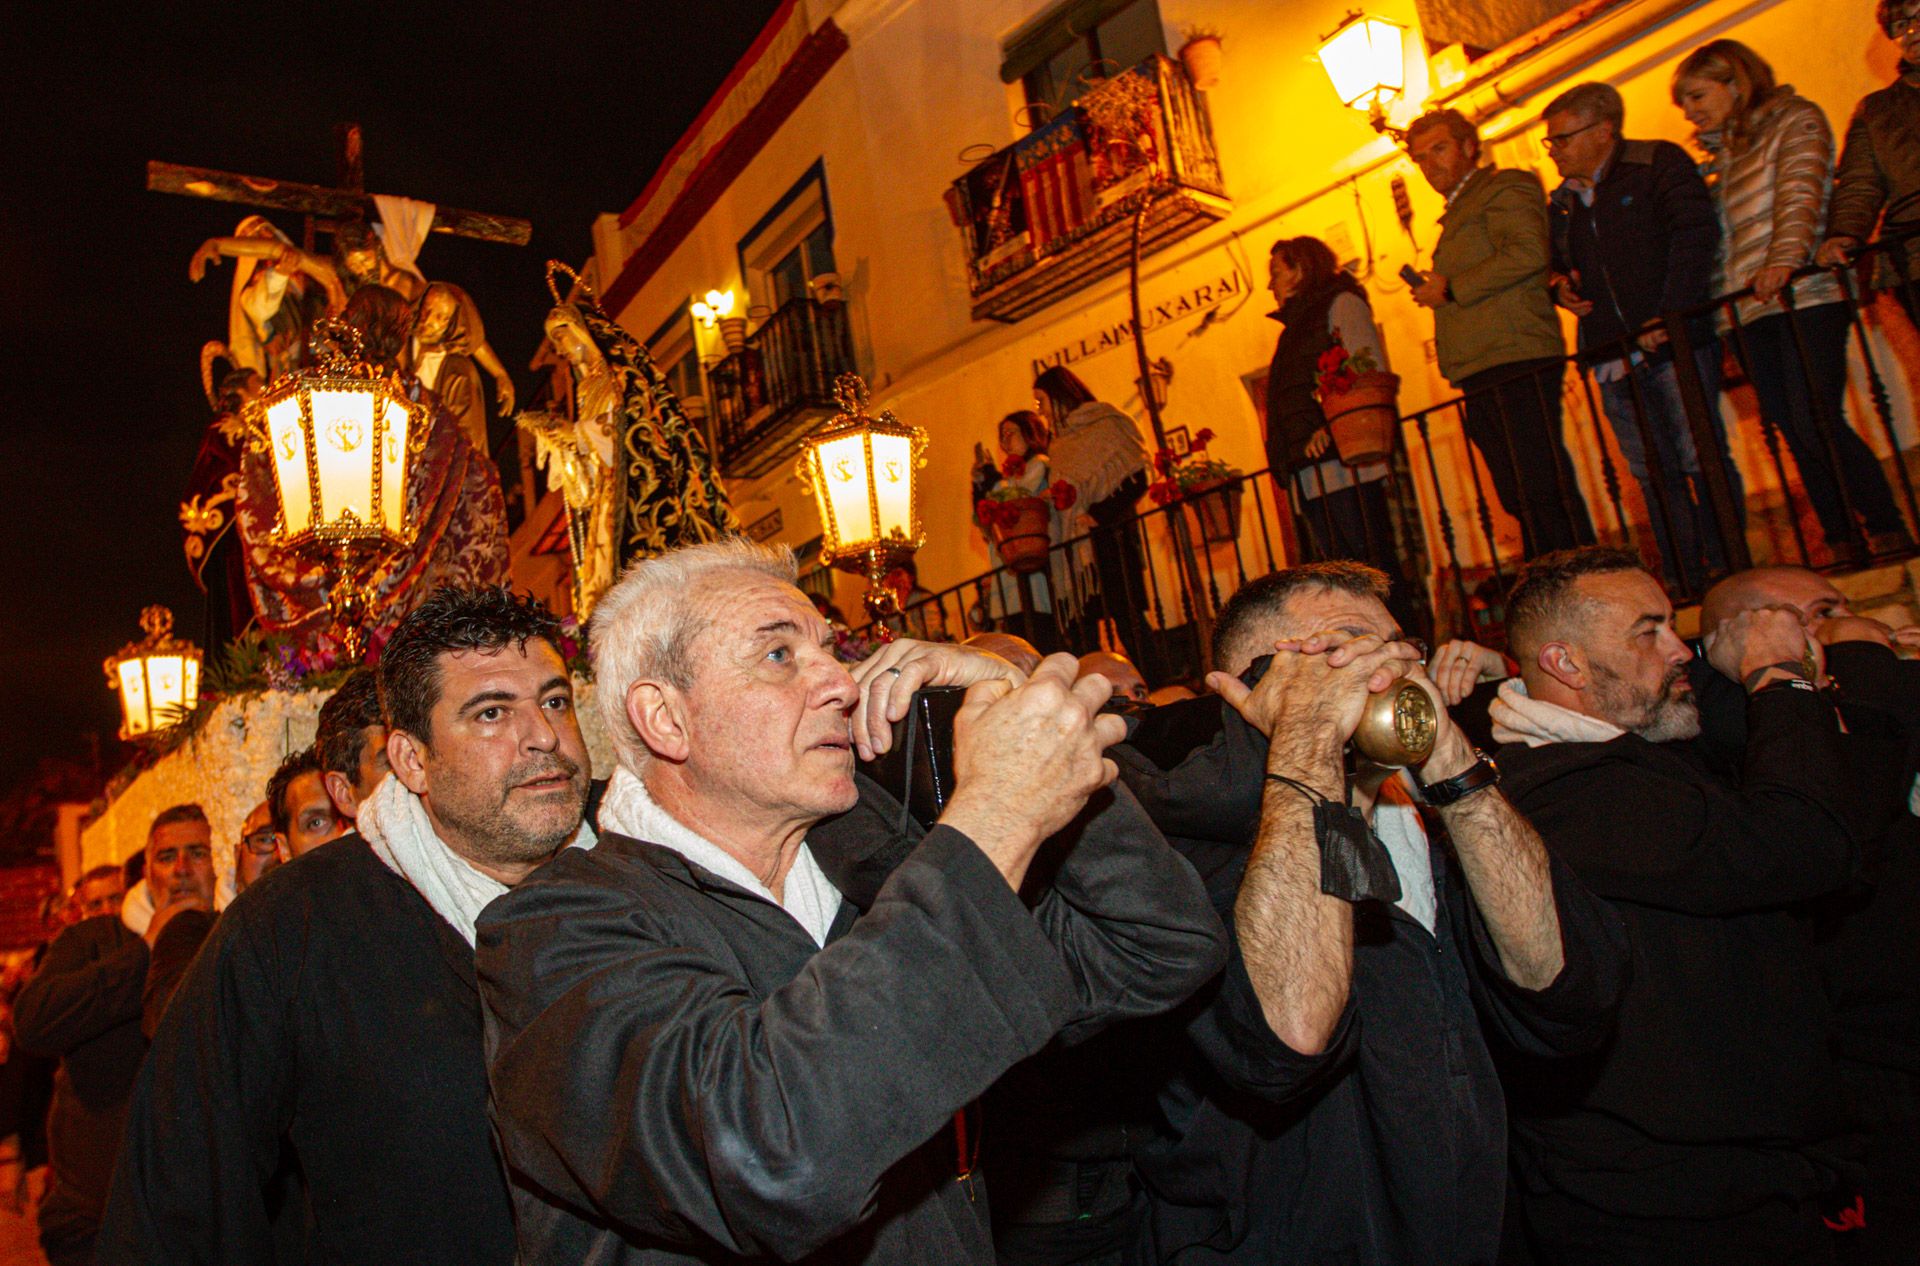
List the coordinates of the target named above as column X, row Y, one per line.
column 1495, row 330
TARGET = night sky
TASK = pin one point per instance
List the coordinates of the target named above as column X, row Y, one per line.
column 550, row 112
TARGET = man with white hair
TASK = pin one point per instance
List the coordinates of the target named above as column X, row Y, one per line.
column 1703, row 1131
column 751, row 1023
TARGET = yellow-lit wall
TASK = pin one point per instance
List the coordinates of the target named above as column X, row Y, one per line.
column 919, row 84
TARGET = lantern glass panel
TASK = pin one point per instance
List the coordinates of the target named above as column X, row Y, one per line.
column 1364, row 61
column 893, row 486
column 190, row 694
column 133, row 695
column 393, row 467
column 343, row 441
column 842, row 487
column 290, row 464
column 166, row 687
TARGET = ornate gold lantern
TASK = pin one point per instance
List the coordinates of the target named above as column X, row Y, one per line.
column 158, row 677
column 342, row 436
column 1364, row 59
column 862, row 471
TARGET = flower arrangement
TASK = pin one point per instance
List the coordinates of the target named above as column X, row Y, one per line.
column 1338, row 370
column 999, row 508
column 1197, row 471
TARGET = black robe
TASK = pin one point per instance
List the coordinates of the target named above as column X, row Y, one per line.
column 681, row 1075
column 333, row 1008
column 83, row 1005
column 1718, row 1092
column 1389, row 1146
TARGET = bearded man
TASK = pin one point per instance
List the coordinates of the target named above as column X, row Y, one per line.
column 333, row 1012
column 1698, row 1133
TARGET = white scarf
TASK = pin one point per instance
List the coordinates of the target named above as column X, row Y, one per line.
column 395, row 825
column 631, row 810
column 1517, row 718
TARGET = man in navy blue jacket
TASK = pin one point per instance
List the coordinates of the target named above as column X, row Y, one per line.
column 1635, row 237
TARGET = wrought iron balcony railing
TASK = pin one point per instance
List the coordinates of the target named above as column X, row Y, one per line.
column 1053, row 212
column 765, row 395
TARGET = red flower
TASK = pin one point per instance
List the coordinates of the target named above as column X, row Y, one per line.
column 1164, row 491
column 1163, row 461
column 1203, row 437
column 987, row 511
column 1332, row 359
column 1064, row 495
column 1014, row 466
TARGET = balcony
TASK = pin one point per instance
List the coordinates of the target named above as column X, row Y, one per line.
column 1053, row 213
column 766, row 394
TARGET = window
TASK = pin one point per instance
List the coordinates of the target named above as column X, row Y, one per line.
column 672, row 349
column 1055, row 57
column 791, row 245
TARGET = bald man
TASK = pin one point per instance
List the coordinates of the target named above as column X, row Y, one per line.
column 1120, row 673
column 1867, row 940
column 1017, row 651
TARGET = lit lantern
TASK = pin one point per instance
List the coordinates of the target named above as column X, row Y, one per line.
column 862, row 471
column 717, row 304
column 342, row 436
column 1364, row 59
column 158, row 677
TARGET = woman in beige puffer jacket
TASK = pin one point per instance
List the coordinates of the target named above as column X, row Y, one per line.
column 1771, row 170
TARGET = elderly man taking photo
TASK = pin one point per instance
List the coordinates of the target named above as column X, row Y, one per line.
column 749, row 1025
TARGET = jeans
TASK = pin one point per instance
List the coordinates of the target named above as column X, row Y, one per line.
column 1806, row 406
column 1684, row 526
column 1513, row 418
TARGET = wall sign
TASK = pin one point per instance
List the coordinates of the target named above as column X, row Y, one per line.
column 1201, row 298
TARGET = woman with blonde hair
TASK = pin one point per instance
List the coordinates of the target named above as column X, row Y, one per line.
column 1771, row 167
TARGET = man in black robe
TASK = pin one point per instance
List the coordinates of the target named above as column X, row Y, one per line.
column 332, row 1013
column 1332, row 1095
column 84, row 1005
column 750, row 1025
column 1703, row 1131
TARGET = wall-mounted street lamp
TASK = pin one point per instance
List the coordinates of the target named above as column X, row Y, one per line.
column 1366, row 60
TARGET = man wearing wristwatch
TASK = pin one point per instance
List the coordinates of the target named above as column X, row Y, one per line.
column 1697, row 1134
column 1333, row 1096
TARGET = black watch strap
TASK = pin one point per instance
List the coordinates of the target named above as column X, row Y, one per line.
column 1482, row 773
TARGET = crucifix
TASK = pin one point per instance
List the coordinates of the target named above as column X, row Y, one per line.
column 324, row 207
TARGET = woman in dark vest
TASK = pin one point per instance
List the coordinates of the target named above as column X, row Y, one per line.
column 1345, row 510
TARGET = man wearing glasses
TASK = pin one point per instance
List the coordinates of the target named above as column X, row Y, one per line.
column 1635, row 238
column 261, row 848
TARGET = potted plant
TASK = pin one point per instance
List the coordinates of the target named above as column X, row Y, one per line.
column 826, row 288
column 1209, row 486
column 1018, row 521
column 1358, row 399
column 1201, row 55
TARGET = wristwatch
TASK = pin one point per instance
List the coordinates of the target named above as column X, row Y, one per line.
column 1482, row 773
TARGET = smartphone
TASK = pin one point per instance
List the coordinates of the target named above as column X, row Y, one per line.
column 1412, row 276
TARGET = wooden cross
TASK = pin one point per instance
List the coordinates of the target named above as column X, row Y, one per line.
column 324, row 207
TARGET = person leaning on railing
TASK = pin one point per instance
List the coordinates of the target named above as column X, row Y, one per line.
column 1494, row 328
column 1772, row 154
column 1878, row 180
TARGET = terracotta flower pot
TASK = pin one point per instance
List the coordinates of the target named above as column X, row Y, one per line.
column 1215, row 510
column 1202, row 58
column 1021, row 535
column 1364, row 419
column 826, row 288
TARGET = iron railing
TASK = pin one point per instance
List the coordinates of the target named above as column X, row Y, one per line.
column 764, row 395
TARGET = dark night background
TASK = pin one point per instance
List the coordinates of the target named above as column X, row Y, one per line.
column 550, row 112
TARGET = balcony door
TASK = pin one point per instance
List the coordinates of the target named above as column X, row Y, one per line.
column 790, row 246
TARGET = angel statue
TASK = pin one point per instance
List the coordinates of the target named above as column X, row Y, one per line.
column 634, row 472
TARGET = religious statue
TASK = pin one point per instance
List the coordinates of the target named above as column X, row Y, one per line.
column 446, row 337
column 278, row 293
column 634, row 472
column 269, row 262
column 208, row 515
